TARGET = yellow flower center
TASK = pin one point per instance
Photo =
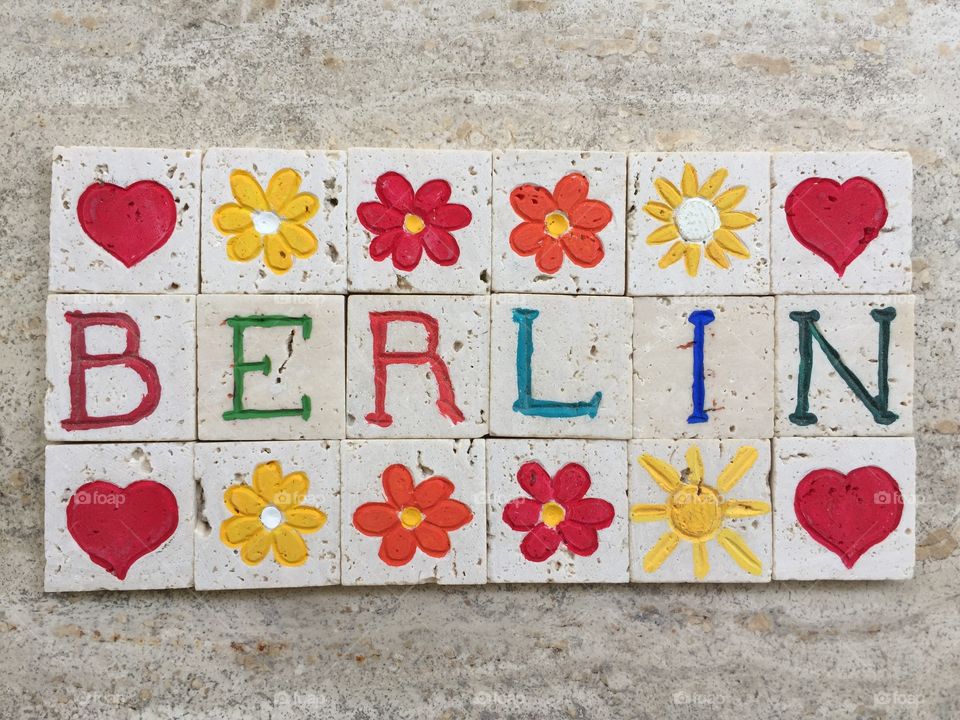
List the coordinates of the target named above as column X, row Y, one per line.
column 410, row 517
column 694, row 512
column 271, row 517
column 552, row 514
column 696, row 219
column 413, row 223
column 556, row 224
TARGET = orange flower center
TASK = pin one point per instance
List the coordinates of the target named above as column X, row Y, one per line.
column 552, row 514
column 413, row 223
column 411, row 517
column 556, row 223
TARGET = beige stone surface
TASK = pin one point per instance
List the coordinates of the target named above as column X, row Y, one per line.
column 809, row 75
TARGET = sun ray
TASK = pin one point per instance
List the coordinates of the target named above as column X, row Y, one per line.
column 701, row 561
column 713, row 184
column 668, row 191
column 661, row 551
column 643, row 512
column 745, row 508
column 730, row 198
column 736, row 547
column 738, row 466
column 673, row 254
column 695, row 465
column 663, row 473
column 688, row 183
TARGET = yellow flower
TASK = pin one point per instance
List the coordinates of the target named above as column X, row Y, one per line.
column 695, row 218
column 270, row 514
column 273, row 221
column 695, row 511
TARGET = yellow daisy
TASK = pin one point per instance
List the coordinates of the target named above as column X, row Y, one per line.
column 695, row 511
column 273, row 221
column 695, row 218
column 270, row 514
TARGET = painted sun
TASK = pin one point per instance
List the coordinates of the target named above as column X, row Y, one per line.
column 699, row 220
column 695, row 511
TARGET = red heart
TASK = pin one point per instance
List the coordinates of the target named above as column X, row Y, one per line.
column 836, row 221
column 848, row 514
column 129, row 223
column 117, row 526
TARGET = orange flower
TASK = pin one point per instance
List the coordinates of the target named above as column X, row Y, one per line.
column 558, row 223
column 413, row 517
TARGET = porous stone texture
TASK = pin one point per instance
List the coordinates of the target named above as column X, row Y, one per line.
column 606, row 464
column 78, row 264
column 797, row 555
column 884, row 265
column 323, row 175
column 847, row 325
column 468, row 175
column 162, row 333
column 615, row 76
column 606, row 174
column 219, row 466
column 462, row 462
column 68, row 467
column 581, row 347
column 291, row 366
column 755, row 531
column 738, row 356
column 695, row 219
column 414, row 391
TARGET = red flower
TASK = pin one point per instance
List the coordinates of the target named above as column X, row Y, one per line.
column 562, row 222
column 405, row 223
column 558, row 511
column 412, row 517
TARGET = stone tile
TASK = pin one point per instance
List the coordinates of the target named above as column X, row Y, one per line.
column 579, row 380
column 557, row 511
column 270, row 367
column 119, row 517
column 559, row 221
column 124, row 220
column 735, row 384
column 844, row 508
column 430, row 210
column 413, row 511
column 288, row 238
column 430, row 358
column 854, row 326
column 728, row 247
column 270, row 515
column 707, row 525
column 120, row 368
column 841, row 222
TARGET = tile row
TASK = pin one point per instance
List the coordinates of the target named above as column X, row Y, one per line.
column 287, row 367
column 388, row 512
column 231, row 220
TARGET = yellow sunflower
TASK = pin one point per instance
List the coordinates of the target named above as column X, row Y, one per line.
column 270, row 514
column 273, row 221
column 695, row 218
column 695, row 511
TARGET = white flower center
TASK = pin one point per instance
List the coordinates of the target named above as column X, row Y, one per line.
column 697, row 219
column 266, row 222
column 271, row 516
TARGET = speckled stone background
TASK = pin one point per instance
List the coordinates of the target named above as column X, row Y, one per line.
column 616, row 75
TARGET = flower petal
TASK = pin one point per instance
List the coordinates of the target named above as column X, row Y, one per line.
column 731, row 243
column 659, row 211
column 440, row 245
column 375, row 519
column 535, row 481
column 731, row 198
column 395, row 191
column 571, row 190
column 245, row 246
column 398, row 486
column 663, row 234
column 277, row 254
column 736, row 220
column 247, row 190
column 689, row 184
column 302, row 242
column 540, row 543
column 407, row 252
column 431, row 491
column 713, row 183
column 450, row 217
column 579, row 539
column 256, row 548
column 550, row 256
column 532, row 202
column 267, row 480
column 292, row 490
column 432, row 194
column 232, row 218
column 305, row 518
column 668, row 191
column 432, row 540
column 522, row 513
column 242, row 500
column 289, row 549
column 716, row 255
column 449, row 514
column 691, row 258
column 673, row 254
column 591, row 215
column 383, row 244
column 570, row 483
column 282, row 187
column 238, row 529
column 377, row 217
column 592, row 512
column 398, row 546
column 527, row 237
column 301, row 208
column 582, row 247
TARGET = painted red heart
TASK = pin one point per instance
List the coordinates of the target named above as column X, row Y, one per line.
column 129, row 223
column 849, row 514
column 834, row 221
column 117, row 526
